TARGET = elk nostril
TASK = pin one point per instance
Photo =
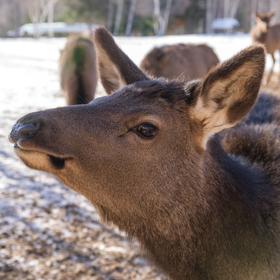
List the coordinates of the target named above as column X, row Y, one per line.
column 28, row 130
column 24, row 131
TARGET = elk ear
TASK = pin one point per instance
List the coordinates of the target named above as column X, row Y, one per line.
column 229, row 91
column 271, row 14
column 115, row 67
column 258, row 15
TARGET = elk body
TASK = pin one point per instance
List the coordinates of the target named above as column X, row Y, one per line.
column 184, row 61
column 78, row 74
column 268, row 35
column 203, row 207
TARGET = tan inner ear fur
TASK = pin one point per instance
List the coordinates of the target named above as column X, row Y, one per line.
column 117, row 68
column 217, row 109
column 109, row 74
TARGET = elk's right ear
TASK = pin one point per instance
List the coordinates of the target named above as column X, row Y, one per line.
column 228, row 92
column 115, row 67
column 271, row 14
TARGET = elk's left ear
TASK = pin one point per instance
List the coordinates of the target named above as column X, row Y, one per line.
column 115, row 67
column 229, row 91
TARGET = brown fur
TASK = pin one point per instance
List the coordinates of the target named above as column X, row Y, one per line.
column 112, row 66
column 78, row 74
column 184, row 61
column 201, row 211
column 268, row 35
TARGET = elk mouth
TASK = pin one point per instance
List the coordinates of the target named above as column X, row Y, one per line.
column 58, row 163
column 41, row 159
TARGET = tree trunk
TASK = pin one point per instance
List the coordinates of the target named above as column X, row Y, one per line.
column 230, row 8
column 110, row 16
column 209, row 15
column 156, row 16
column 51, row 4
column 35, row 17
column 165, row 18
column 254, row 10
column 263, row 6
column 130, row 17
column 118, row 19
column 38, row 11
column 161, row 20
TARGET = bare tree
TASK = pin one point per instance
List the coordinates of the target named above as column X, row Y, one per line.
column 118, row 19
column 166, row 17
column 39, row 11
column 12, row 15
column 50, row 9
column 209, row 15
column 263, row 6
column 33, row 9
column 254, row 9
column 161, row 18
column 110, row 15
column 130, row 17
column 230, row 8
column 220, row 9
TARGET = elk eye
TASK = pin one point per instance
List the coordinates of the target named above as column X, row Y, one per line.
column 146, row 130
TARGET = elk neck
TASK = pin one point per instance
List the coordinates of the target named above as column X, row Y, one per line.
column 223, row 210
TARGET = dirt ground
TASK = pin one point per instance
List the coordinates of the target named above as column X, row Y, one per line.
column 47, row 231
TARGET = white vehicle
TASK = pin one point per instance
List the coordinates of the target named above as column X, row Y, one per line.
column 225, row 25
column 56, row 28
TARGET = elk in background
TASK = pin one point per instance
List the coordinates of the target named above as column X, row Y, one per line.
column 268, row 35
column 203, row 207
column 183, row 61
column 78, row 74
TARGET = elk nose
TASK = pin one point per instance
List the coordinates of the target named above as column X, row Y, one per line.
column 21, row 131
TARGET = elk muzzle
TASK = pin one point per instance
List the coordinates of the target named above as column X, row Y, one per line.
column 27, row 135
column 23, row 131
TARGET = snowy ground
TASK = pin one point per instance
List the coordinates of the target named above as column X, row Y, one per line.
column 46, row 230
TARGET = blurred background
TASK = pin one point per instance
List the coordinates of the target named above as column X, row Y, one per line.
column 130, row 17
column 46, row 230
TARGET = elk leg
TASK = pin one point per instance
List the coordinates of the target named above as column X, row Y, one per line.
column 271, row 70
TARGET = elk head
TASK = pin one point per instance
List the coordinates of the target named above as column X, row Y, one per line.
column 263, row 20
column 134, row 153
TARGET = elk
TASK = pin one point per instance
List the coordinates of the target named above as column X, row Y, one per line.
column 151, row 160
column 268, row 35
column 184, row 61
column 78, row 73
